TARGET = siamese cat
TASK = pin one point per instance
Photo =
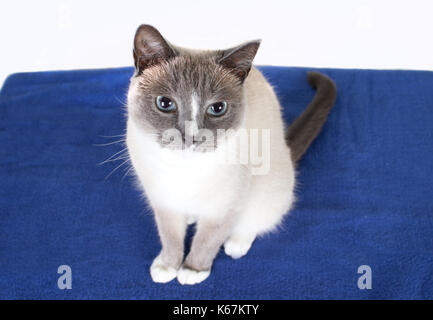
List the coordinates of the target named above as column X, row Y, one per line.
column 186, row 109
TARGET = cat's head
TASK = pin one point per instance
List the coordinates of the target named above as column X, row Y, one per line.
column 194, row 93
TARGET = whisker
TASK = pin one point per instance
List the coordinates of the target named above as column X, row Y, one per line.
column 111, row 160
column 110, row 143
column 117, row 153
column 119, row 135
column 124, row 176
column 116, row 169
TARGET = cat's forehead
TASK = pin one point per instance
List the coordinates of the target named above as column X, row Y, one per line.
column 191, row 74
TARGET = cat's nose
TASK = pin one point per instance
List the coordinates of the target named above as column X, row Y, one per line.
column 189, row 140
column 190, row 133
column 191, row 128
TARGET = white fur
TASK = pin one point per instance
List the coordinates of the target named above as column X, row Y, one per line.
column 195, row 107
column 188, row 276
column 160, row 273
column 238, row 246
column 182, row 182
column 193, row 184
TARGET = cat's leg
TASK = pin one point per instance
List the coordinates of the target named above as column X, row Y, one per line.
column 242, row 235
column 238, row 244
column 252, row 223
column 263, row 213
column 210, row 235
column 171, row 229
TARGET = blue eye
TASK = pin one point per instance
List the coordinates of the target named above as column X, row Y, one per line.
column 217, row 109
column 165, row 104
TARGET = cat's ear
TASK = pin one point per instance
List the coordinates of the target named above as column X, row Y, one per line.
column 240, row 58
column 150, row 48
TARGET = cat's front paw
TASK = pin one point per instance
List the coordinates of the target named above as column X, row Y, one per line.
column 189, row 276
column 237, row 247
column 161, row 273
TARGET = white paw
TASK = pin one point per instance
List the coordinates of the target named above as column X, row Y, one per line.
column 237, row 247
column 189, row 276
column 161, row 273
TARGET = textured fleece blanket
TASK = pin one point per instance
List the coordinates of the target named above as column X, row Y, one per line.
column 365, row 195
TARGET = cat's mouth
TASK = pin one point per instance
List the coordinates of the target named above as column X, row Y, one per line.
column 195, row 143
column 201, row 144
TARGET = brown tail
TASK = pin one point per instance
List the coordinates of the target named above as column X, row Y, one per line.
column 308, row 125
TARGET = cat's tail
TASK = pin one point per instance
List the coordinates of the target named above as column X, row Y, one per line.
column 308, row 125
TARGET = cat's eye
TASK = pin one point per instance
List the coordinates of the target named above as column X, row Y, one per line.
column 217, row 109
column 165, row 104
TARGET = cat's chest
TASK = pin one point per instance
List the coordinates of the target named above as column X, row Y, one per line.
column 180, row 176
column 188, row 182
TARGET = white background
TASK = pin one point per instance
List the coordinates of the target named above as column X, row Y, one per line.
column 52, row 35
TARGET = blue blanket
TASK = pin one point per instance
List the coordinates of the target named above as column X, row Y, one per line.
column 365, row 195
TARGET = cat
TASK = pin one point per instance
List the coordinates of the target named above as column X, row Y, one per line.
column 175, row 95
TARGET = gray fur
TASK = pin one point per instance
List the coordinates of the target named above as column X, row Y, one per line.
column 177, row 73
column 308, row 125
column 204, row 248
column 171, row 229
